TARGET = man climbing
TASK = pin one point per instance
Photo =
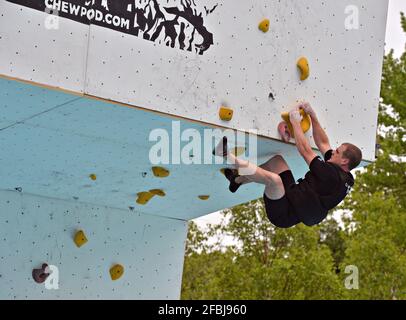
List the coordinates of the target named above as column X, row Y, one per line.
column 324, row 186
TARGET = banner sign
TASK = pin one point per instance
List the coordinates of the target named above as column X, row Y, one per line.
column 175, row 23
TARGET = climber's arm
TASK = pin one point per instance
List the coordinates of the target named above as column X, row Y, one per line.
column 302, row 143
column 319, row 135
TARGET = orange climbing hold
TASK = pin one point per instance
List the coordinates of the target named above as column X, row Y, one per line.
column 304, row 68
column 226, row 114
column 287, row 133
column 144, row 197
column 160, row 172
column 92, row 176
column 80, row 238
column 158, row 192
column 264, row 25
column 116, row 272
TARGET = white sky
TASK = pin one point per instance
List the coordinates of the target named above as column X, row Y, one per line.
column 395, row 39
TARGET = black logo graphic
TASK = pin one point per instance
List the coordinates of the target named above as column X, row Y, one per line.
column 175, row 23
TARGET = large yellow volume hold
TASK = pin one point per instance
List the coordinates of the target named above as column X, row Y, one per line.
column 80, row 238
column 264, row 25
column 144, row 197
column 116, row 271
column 304, row 68
column 160, row 172
column 226, row 114
column 305, row 123
column 158, row 192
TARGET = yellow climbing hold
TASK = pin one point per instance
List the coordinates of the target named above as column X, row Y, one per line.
column 116, row 271
column 304, row 68
column 238, row 151
column 160, row 172
column 226, row 114
column 305, row 123
column 80, row 238
column 205, row 197
column 144, row 197
column 222, row 170
column 92, row 176
column 264, row 25
column 158, row 192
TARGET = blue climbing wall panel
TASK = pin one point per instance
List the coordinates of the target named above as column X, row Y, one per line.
column 36, row 230
column 54, row 141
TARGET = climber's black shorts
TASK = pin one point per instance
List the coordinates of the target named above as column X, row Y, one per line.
column 280, row 212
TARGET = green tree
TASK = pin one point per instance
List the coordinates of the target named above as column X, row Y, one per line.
column 377, row 248
column 263, row 262
column 376, row 231
column 332, row 235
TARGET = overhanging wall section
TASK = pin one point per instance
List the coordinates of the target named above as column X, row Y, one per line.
column 55, row 141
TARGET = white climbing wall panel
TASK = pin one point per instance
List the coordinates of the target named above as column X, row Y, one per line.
column 36, row 230
column 36, row 47
column 137, row 53
column 244, row 65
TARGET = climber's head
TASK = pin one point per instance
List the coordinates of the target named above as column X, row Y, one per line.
column 347, row 156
